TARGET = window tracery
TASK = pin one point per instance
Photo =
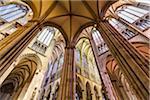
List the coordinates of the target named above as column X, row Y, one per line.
column 134, row 15
column 127, row 33
column 12, row 12
column 77, row 55
column 84, row 60
column 12, row 16
column 43, row 40
column 88, row 92
column 101, row 45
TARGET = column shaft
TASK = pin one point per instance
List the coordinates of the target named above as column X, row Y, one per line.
column 67, row 83
column 103, row 74
column 133, row 65
column 121, row 93
column 12, row 46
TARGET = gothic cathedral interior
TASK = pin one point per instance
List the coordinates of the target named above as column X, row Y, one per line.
column 74, row 49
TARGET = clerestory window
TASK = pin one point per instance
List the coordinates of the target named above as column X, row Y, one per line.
column 12, row 12
column 134, row 15
column 43, row 40
column 101, row 45
column 127, row 33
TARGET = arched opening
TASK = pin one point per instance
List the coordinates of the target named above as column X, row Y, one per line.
column 43, row 39
column 96, row 93
column 79, row 90
column 70, row 20
column 120, row 79
column 143, row 48
column 50, row 43
column 88, row 92
column 19, row 78
column 135, row 16
column 12, row 16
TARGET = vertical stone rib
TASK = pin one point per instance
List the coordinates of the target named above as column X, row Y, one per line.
column 105, row 79
column 130, row 61
column 67, row 83
column 122, row 95
column 21, row 40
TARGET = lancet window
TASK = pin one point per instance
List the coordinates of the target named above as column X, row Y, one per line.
column 127, row 33
column 77, row 55
column 84, row 60
column 43, row 40
column 134, row 15
column 12, row 12
column 12, row 16
column 102, row 47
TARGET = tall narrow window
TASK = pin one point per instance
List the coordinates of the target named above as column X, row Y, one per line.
column 61, row 61
column 84, row 60
column 102, row 47
column 88, row 92
column 77, row 55
column 54, row 70
column 43, row 40
column 12, row 12
column 13, row 16
column 134, row 15
column 121, row 28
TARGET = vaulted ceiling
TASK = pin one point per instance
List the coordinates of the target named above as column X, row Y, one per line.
column 70, row 16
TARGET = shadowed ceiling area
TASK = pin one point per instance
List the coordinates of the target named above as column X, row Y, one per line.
column 69, row 15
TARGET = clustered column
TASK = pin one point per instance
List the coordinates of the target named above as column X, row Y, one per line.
column 104, row 76
column 12, row 46
column 67, row 83
column 133, row 65
column 118, row 86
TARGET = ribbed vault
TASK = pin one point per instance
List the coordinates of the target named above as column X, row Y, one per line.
column 70, row 15
column 20, row 75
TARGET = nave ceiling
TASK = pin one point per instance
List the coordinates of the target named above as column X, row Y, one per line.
column 69, row 16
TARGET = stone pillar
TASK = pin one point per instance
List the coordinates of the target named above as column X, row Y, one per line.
column 133, row 65
column 121, row 93
column 14, row 44
column 67, row 83
column 106, row 82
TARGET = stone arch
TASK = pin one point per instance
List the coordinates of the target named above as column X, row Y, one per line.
column 52, row 24
column 122, row 5
column 20, row 76
column 97, row 96
column 32, row 6
column 28, row 15
column 79, row 32
column 88, row 91
column 32, row 56
column 79, row 89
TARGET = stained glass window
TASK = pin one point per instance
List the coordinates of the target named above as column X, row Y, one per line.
column 121, row 28
column 12, row 12
column 134, row 15
column 102, row 47
column 43, row 40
